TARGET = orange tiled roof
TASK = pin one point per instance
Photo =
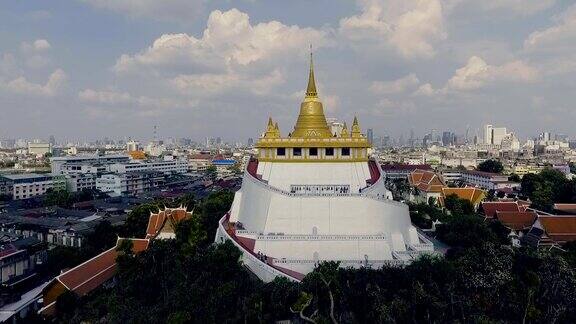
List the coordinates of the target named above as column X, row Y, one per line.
column 425, row 180
column 164, row 221
column 559, row 228
column 516, row 220
column 567, row 208
column 472, row 194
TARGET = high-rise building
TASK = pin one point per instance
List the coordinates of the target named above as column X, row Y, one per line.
column 494, row 135
column 312, row 197
column 370, row 135
column 131, row 146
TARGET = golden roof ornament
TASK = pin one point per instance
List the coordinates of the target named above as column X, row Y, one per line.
column 272, row 130
column 356, row 128
column 311, row 121
column 344, row 132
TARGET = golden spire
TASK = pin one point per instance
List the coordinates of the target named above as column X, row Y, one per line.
column 311, row 121
column 344, row 132
column 272, row 130
column 356, row 128
column 311, row 89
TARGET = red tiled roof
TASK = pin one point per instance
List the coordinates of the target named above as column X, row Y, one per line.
column 491, row 207
column 87, row 276
column 559, row 228
column 567, row 208
column 516, row 220
column 158, row 221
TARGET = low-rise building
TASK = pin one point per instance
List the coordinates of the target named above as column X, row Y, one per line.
column 401, row 171
column 28, row 185
column 485, row 180
column 167, row 166
column 130, row 183
column 79, row 182
column 39, row 148
column 58, row 163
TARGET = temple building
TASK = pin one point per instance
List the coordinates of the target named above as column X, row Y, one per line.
column 312, row 195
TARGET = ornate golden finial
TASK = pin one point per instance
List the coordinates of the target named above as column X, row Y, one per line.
column 272, row 130
column 311, row 89
column 344, row 132
column 356, row 128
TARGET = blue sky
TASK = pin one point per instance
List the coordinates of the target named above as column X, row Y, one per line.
column 93, row 68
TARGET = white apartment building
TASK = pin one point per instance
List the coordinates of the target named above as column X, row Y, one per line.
column 24, row 186
column 78, row 182
column 39, row 148
column 166, row 166
column 485, row 180
column 117, row 184
column 58, row 163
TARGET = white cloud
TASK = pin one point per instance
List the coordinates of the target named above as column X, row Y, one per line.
column 477, row 73
column 518, row 7
column 410, row 27
column 170, row 10
column 228, row 40
column 38, row 45
column 232, row 53
column 561, row 36
column 21, row 85
column 397, row 86
column 112, row 97
column 104, row 96
column 425, row 90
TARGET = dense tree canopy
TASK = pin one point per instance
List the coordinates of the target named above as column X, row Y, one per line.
column 491, row 165
column 548, row 187
column 191, row 280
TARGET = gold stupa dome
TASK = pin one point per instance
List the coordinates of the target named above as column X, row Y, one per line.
column 311, row 121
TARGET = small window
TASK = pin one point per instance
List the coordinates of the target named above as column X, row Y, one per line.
column 345, row 151
column 297, row 151
column 313, row 151
column 329, row 151
column 281, row 151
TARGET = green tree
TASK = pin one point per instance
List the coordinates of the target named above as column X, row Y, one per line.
column 514, row 177
column 493, row 166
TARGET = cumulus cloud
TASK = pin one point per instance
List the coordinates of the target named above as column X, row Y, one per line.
column 229, row 39
column 517, row 7
column 477, row 74
column 410, row 27
column 232, row 53
column 397, row 86
column 113, row 97
column 21, row 85
column 38, row 45
column 560, row 36
column 168, row 10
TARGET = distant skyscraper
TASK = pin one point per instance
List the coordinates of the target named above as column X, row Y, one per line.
column 494, row 135
column 447, row 138
column 52, row 140
column 250, row 142
column 370, row 135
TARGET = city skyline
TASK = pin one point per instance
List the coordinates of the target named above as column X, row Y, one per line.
column 200, row 69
